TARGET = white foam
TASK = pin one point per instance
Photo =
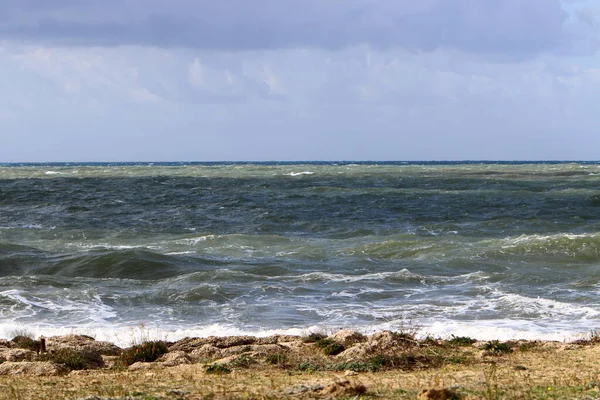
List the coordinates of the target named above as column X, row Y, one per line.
column 301, row 173
column 127, row 335
column 54, row 173
column 312, row 276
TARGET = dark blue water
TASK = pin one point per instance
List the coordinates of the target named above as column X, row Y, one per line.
column 500, row 249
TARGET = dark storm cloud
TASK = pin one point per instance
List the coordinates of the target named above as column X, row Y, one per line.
column 517, row 27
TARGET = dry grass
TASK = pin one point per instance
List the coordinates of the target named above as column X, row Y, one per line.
column 533, row 370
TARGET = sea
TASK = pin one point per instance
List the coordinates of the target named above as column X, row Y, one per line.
column 130, row 251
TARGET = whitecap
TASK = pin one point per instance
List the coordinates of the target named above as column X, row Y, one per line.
column 301, row 173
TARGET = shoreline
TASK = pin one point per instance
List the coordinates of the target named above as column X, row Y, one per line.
column 126, row 335
column 346, row 364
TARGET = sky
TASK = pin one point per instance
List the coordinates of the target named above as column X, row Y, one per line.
column 259, row 80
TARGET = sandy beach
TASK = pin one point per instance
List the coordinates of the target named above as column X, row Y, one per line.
column 345, row 364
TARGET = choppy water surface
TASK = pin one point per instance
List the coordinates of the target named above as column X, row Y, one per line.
column 488, row 250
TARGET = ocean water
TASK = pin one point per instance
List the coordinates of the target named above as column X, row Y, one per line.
column 167, row 250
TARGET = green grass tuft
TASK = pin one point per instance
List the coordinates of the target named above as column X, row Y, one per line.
column 217, row 369
column 243, row 361
column 74, row 359
column 276, row 359
column 461, row 341
column 329, row 347
column 145, row 352
column 313, row 337
column 26, row 342
column 497, row 347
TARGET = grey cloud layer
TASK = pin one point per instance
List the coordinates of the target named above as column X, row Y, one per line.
column 507, row 27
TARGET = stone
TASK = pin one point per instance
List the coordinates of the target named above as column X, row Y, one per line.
column 143, row 366
column 16, row 355
column 33, row 368
column 173, row 358
column 360, row 351
column 439, row 394
column 348, row 338
column 275, row 339
column 387, row 340
column 190, row 344
column 82, row 342
column 344, row 388
column 206, row 353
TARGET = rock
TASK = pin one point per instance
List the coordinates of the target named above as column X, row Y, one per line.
column 275, row 339
column 439, row 394
column 82, row 358
column 359, row 351
column 174, row 358
column 206, row 353
column 6, row 343
column 143, row 366
column 82, row 342
column 190, row 344
column 263, row 350
column 344, row 388
column 16, row 355
column 348, row 338
column 110, row 361
column 300, row 389
column 387, row 340
column 33, row 368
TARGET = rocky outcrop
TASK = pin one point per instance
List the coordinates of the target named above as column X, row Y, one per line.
column 225, row 342
column 33, row 368
column 170, row 359
column 82, row 342
column 13, row 355
column 348, row 338
column 174, row 358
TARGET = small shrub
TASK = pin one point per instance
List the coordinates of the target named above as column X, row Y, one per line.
column 307, row 367
column 329, row 347
column 356, row 366
column 414, row 360
column 145, row 352
column 243, row 361
column 276, row 359
column 497, row 347
column 378, row 361
column 458, row 359
column 74, row 359
column 21, row 332
column 217, row 369
column 313, row 337
column 528, row 346
column 246, row 349
column 26, row 342
column 461, row 341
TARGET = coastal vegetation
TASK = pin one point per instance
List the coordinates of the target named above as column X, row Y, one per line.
column 345, row 364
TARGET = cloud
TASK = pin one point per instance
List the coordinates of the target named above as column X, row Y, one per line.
column 515, row 28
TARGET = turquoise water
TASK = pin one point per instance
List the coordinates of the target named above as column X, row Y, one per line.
column 491, row 250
